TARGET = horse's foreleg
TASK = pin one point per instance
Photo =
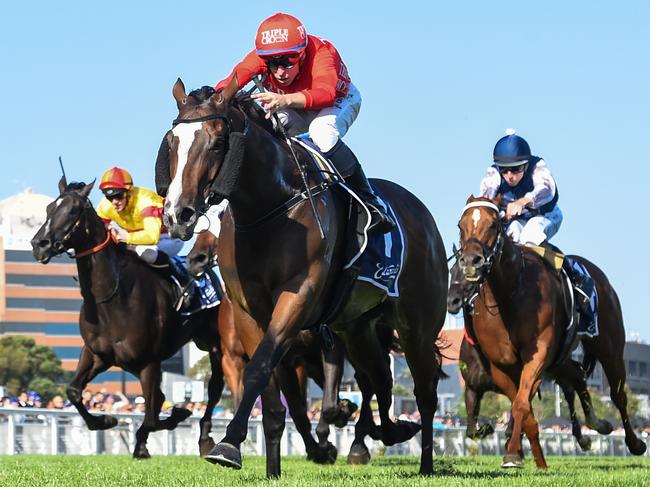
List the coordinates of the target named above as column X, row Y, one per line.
column 513, row 456
column 273, row 421
column 473, row 398
column 522, row 411
column 333, row 360
column 273, row 346
column 359, row 453
column 233, row 372
column 615, row 371
column 88, row 367
column 215, row 389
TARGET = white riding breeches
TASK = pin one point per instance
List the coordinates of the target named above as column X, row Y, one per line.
column 325, row 126
column 149, row 253
column 536, row 229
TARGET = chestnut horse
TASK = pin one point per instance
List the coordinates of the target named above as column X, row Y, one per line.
column 282, row 275
column 520, row 317
column 475, row 370
column 127, row 318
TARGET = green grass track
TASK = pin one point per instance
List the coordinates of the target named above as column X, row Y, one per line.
column 105, row 471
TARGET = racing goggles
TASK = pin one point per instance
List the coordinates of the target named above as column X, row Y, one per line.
column 513, row 169
column 286, row 61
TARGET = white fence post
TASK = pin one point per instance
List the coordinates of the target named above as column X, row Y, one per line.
column 11, row 435
column 54, row 435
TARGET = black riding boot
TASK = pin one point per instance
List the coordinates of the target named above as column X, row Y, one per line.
column 583, row 286
column 173, row 272
column 348, row 165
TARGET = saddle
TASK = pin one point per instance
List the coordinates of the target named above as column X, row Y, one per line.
column 368, row 257
column 576, row 283
column 192, row 295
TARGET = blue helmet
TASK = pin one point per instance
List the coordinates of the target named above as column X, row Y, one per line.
column 511, row 150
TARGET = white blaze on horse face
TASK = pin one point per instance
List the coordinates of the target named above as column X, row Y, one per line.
column 186, row 133
column 476, row 216
column 48, row 221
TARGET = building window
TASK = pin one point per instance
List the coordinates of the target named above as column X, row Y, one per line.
column 643, row 369
column 632, row 368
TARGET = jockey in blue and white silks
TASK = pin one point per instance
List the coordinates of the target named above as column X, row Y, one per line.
column 528, row 191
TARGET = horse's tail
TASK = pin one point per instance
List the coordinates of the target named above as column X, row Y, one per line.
column 588, row 364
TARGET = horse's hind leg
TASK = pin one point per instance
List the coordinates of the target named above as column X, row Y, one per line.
column 473, row 397
column 369, row 357
column 570, row 396
column 294, row 396
column 215, row 389
column 153, row 398
column 88, row 367
column 615, row 371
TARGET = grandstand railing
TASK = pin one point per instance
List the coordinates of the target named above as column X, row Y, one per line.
column 54, row 432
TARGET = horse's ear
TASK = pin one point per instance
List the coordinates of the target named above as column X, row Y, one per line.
column 454, row 248
column 230, row 90
column 497, row 200
column 85, row 191
column 470, row 199
column 62, row 184
column 179, row 93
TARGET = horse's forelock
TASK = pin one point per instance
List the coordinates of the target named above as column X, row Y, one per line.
column 202, row 95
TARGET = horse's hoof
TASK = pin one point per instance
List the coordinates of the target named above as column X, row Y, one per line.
column 359, row 455
column 104, row 422
column 226, row 455
column 512, row 461
column 585, row 443
column 323, row 455
column 347, row 409
column 401, row 432
column 141, row 453
column 604, row 427
column 636, row 446
column 206, row 446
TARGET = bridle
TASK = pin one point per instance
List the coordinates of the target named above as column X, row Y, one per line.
column 60, row 245
column 490, row 254
column 227, row 133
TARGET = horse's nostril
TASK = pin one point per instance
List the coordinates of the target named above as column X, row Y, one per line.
column 187, row 215
column 201, row 259
column 44, row 244
column 477, row 261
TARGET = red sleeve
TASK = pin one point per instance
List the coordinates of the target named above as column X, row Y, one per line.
column 251, row 65
column 155, row 211
column 322, row 92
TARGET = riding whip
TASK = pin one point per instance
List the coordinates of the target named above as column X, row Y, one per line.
column 261, row 89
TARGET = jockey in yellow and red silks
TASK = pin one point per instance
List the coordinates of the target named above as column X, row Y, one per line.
column 138, row 211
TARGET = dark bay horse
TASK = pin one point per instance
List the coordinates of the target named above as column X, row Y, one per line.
column 307, row 356
column 519, row 320
column 475, row 369
column 127, row 317
column 282, row 276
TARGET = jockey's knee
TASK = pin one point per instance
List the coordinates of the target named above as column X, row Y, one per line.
column 148, row 253
column 324, row 132
column 533, row 233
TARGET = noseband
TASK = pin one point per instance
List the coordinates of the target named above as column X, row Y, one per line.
column 490, row 254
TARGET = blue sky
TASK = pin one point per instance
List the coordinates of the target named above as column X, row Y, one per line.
column 441, row 81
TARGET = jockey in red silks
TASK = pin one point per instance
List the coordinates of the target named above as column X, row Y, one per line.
column 310, row 90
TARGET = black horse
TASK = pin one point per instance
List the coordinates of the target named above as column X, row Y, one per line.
column 127, row 317
column 283, row 276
